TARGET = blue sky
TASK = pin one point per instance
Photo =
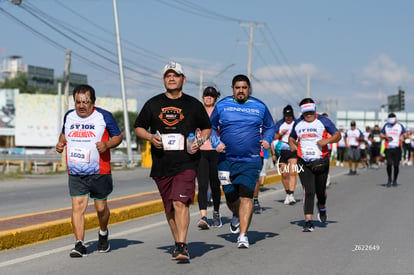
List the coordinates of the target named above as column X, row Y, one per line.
column 356, row 53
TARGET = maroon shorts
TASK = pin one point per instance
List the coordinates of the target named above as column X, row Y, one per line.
column 180, row 187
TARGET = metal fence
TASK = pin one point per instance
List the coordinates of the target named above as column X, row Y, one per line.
column 32, row 162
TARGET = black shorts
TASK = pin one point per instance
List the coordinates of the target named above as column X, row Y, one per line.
column 393, row 156
column 98, row 187
column 285, row 155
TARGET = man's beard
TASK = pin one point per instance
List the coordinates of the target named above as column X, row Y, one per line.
column 241, row 100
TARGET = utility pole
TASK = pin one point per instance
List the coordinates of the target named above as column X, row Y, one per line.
column 250, row 43
column 329, row 103
column 201, row 84
column 65, row 101
column 121, row 76
column 67, row 81
column 308, row 85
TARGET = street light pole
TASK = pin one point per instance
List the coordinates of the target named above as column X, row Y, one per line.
column 121, row 76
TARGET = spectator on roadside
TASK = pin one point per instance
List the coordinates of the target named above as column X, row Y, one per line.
column 89, row 133
column 171, row 117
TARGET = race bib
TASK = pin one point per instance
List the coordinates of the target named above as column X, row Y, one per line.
column 224, row 177
column 311, row 153
column 172, row 142
column 362, row 146
column 407, row 141
column 79, row 154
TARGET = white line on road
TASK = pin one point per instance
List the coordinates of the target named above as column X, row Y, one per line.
column 119, row 234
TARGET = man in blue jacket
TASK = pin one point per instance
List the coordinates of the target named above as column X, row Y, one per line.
column 237, row 124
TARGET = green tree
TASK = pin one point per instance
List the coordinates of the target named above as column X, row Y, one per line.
column 20, row 82
column 119, row 117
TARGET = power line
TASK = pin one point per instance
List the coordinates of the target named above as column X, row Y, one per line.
column 60, row 47
column 285, row 58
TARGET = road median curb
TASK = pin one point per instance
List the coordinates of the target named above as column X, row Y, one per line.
column 54, row 229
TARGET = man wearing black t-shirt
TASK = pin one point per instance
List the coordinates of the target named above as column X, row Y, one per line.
column 170, row 118
column 375, row 150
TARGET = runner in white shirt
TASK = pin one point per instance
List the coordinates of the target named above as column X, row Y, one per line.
column 393, row 132
column 309, row 137
column 88, row 133
column 353, row 137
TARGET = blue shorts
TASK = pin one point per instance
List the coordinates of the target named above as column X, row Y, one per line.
column 232, row 173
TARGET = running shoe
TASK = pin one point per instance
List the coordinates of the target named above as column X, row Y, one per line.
column 308, row 227
column 328, row 181
column 235, row 225
column 182, row 253
column 242, row 241
column 287, row 200
column 203, row 223
column 394, row 183
column 256, row 207
column 217, row 220
column 103, row 243
column 292, row 200
column 322, row 217
column 175, row 252
column 389, row 183
column 79, row 250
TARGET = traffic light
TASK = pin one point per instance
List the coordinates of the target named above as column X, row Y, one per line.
column 401, row 99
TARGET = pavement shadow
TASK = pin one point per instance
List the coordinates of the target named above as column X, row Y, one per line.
column 195, row 249
column 254, row 236
column 114, row 243
column 316, row 223
column 388, row 186
column 282, row 201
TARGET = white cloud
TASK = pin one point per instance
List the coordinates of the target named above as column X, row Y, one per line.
column 385, row 72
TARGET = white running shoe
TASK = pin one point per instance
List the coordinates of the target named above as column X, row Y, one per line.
column 242, row 241
column 287, row 199
column 292, row 199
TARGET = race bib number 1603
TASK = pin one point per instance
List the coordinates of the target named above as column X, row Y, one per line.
column 79, row 155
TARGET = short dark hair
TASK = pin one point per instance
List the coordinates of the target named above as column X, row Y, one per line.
column 240, row 77
column 82, row 89
column 306, row 100
column 392, row 115
column 211, row 91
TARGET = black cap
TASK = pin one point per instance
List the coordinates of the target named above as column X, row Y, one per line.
column 288, row 111
column 211, row 91
column 353, row 123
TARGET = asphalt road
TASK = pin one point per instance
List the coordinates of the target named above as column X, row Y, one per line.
column 36, row 193
column 369, row 231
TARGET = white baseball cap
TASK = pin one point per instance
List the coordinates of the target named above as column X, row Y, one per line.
column 174, row 66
